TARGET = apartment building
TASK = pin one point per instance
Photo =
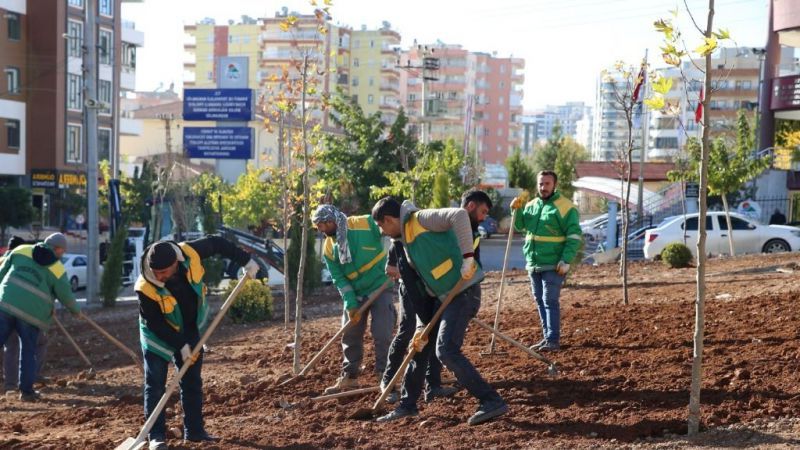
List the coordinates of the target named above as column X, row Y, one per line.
column 575, row 119
column 488, row 86
column 13, row 97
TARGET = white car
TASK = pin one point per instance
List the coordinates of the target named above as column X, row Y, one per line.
column 76, row 269
column 748, row 236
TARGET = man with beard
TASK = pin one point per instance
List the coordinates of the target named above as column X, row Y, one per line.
column 553, row 237
column 356, row 259
column 439, row 246
column 173, row 314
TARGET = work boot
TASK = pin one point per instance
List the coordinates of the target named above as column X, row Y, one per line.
column 344, row 383
column 199, row 437
column 439, row 392
column 157, row 444
column 550, row 347
column 535, row 347
column 33, row 396
column 488, row 410
column 398, row 413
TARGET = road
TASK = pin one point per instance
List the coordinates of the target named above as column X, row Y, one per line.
column 493, row 249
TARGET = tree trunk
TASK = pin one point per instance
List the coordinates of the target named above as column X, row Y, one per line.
column 699, row 323
column 286, row 224
column 730, row 227
column 301, row 270
column 683, row 207
column 626, row 221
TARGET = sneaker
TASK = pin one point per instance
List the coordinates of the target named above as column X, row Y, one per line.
column 344, row 383
column 488, row 411
column 439, row 392
column 550, row 347
column 398, row 413
column 30, row 396
column 157, row 444
column 536, row 346
column 393, row 397
column 199, row 437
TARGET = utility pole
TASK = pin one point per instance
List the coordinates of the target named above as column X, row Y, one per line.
column 90, row 121
column 429, row 66
column 645, row 127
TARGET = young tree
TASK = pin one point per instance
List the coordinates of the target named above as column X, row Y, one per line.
column 111, row 280
column 520, row 172
column 733, row 168
column 252, row 200
column 441, row 185
column 674, row 52
column 570, row 154
column 15, row 209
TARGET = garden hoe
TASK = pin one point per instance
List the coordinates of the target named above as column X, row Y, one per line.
column 369, row 413
column 552, row 370
column 140, row 441
column 74, row 344
column 492, row 351
column 361, row 311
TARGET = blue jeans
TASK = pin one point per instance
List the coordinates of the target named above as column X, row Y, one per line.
column 453, row 327
column 155, row 380
column 546, row 288
column 28, row 337
column 11, row 359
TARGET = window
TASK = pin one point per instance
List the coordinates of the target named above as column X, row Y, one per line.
column 76, row 3
column 13, row 24
column 744, row 84
column 502, row 69
column 12, row 80
column 371, row 44
column 371, row 81
column 104, row 95
column 74, row 92
column 79, row 262
column 128, row 55
column 209, row 75
column 355, row 62
column 74, row 152
column 370, row 99
column 500, row 132
column 736, row 223
column 103, row 144
column 355, row 81
column 666, row 142
column 691, row 223
column 74, row 38
column 412, row 97
column 107, row 7
column 105, row 47
column 12, row 133
column 500, row 116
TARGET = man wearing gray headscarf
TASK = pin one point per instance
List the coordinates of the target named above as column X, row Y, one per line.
column 356, row 258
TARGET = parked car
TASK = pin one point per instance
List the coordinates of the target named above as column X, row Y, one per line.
column 748, row 236
column 487, row 228
column 76, row 270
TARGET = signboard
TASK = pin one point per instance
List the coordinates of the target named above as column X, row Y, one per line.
column 218, row 142
column 785, row 93
column 218, row 104
column 66, row 179
column 750, row 208
column 692, row 190
column 43, row 178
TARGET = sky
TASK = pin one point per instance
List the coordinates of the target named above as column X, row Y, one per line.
column 565, row 43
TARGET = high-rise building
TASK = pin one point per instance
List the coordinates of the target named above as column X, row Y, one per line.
column 488, row 86
column 41, row 52
column 375, row 82
column 538, row 125
column 610, row 132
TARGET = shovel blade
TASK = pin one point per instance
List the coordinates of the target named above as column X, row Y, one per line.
column 364, row 414
column 130, row 444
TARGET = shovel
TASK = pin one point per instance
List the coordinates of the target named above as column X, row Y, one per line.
column 369, row 413
column 361, row 311
column 552, row 370
column 74, row 344
column 137, row 362
column 492, row 351
column 139, row 441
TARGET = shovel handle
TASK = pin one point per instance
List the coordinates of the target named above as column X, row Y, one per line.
column 503, row 279
column 511, row 341
column 173, row 384
column 413, row 351
column 374, row 296
column 72, row 341
column 115, row 341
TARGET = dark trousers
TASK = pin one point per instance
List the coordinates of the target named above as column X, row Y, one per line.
column 155, row 380
column 28, row 338
column 409, row 307
column 415, row 375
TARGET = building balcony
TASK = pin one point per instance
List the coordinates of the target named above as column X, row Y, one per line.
column 131, row 35
column 131, row 127
column 390, row 71
column 390, row 88
column 127, row 78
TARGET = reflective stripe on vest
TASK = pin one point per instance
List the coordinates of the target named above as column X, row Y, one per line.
column 533, row 237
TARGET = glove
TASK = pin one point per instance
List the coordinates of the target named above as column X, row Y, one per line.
column 562, row 268
column 251, row 269
column 186, row 355
column 419, row 341
column 353, row 315
column 520, row 201
column 393, row 272
column 468, row 268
